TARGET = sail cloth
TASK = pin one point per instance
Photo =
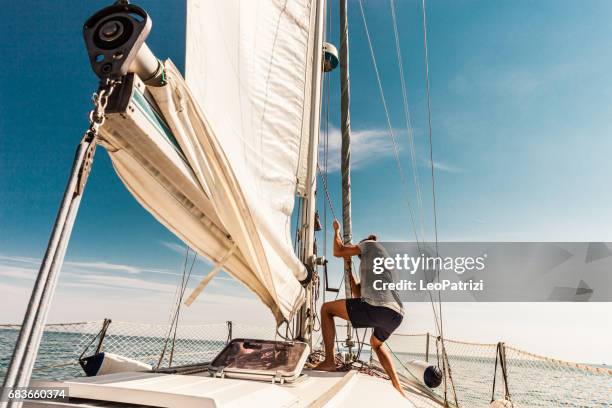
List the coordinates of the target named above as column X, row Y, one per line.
column 241, row 122
column 249, row 64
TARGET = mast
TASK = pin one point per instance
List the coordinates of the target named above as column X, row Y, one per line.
column 308, row 207
column 345, row 162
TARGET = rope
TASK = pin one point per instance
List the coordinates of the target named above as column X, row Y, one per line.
column 100, row 334
column 327, row 196
column 411, row 140
column 433, row 178
column 438, row 320
column 181, row 288
column 179, row 304
column 297, row 228
column 324, row 176
column 437, row 314
column 396, row 152
column 418, row 380
column 341, row 366
column 331, row 207
column 434, row 203
column 447, row 367
column 391, row 133
column 409, row 128
column 177, row 289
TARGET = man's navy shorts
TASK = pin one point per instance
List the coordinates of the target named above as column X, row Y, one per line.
column 382, row 319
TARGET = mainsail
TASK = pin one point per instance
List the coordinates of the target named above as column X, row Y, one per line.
column 224, row 180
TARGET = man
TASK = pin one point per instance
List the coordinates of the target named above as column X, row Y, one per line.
column 381, row 310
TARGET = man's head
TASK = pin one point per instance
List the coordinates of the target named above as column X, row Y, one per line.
column 370, row 237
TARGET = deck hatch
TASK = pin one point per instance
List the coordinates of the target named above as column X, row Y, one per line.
column 266, row 360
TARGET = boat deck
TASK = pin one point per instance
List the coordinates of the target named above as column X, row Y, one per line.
column 315, row 389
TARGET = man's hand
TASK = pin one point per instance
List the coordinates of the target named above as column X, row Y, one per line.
column 340, row 249
column 336, row 225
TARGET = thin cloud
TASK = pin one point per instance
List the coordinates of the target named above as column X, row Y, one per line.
column 127, row 283
column 16, row 272
column 174, row 247
column 20, row 259
column 447, row 168
column 367, row 146
column 115, row 267
column 91, row 274
column 439, row 166
column 107, row 266
column 101, row 281
column 151, row 305
column 95, row 265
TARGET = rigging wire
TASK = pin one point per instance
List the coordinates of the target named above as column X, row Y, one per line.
column 407, row 117
column 391, row 132
column 178, row 287
column 297, row 227
column 327, row 195
column 437, row 315
column 410, row 132
column 396, row 150
column 323, row 175
column 324, row 179
column 180, row 293
column 445, row 362
column 331, row 207
column 433, row 179
column 179, row 304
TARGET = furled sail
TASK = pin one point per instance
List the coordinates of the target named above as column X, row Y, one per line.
column 224, row 179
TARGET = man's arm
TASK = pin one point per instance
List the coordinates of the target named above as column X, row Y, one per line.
column 355, row 287
column 340, row 249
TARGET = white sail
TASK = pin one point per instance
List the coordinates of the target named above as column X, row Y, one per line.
column 248, row 65
column 242, row 124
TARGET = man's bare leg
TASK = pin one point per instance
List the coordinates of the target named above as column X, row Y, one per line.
column 329, row 310
column 385, row 360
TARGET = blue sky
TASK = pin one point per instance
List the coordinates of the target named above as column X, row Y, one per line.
column 521, row 104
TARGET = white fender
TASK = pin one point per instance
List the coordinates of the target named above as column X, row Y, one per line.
column 114, row 363
column 429, row 374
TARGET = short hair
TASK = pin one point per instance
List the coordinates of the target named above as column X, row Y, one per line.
column 370, row 237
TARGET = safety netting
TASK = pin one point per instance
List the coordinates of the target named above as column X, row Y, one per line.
column 476, row 374
column 525, row 379
column 154, row 344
